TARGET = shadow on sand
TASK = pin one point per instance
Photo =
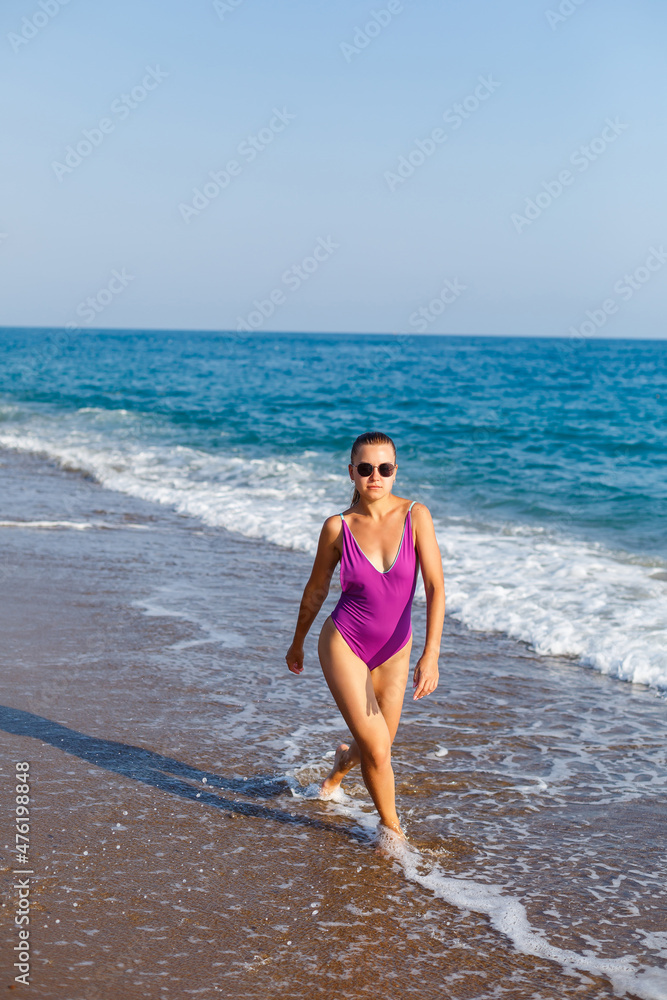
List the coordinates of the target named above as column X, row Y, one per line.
column 165, row 773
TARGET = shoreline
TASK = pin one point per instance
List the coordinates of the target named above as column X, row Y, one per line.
column 171, row 754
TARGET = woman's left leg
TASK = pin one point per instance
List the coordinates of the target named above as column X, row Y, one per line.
column 389, row 682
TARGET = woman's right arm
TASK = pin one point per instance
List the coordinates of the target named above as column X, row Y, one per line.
column 316, row 590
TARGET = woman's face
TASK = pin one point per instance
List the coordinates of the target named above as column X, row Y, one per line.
column 375, row 485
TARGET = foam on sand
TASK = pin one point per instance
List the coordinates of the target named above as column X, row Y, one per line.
column 507, row 915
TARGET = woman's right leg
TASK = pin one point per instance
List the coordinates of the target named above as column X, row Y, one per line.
column 351, row 685
column 389, row 683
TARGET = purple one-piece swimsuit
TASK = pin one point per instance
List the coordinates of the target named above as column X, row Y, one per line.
column 374, row 612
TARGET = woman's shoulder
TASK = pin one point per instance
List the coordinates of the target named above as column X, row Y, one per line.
column 331, row 533
column 413, row 505
column 332, row 527
column 419, row 511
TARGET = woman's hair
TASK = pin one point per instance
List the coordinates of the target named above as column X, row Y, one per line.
column 371, row 437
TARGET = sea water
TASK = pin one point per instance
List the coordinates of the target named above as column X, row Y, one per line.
column 543, row 461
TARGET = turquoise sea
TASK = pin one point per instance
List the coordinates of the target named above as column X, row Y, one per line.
column 543, row 461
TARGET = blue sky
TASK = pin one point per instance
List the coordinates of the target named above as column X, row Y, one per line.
column 360, row 198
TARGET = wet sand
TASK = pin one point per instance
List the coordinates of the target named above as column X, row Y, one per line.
column 178, row 847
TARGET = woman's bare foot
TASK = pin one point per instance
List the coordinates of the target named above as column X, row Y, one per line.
column 341, row 765
column 394, row 828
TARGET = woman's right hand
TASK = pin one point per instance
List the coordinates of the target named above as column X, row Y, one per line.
column 294, row 658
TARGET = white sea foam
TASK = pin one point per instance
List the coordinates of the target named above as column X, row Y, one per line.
column 179, row 596
column 507, row 915
column 72, row 525
column 562, row 595
column 506, row 912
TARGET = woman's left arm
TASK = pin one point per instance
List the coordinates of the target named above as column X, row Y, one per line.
column 425, row 679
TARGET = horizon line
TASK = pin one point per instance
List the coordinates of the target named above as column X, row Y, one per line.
column 244, row 337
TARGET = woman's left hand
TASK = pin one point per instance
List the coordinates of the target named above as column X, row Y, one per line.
column 425, row 678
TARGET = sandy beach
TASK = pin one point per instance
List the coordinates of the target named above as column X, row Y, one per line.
column 177, row 844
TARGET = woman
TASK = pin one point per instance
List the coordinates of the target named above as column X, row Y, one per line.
column 364, row 646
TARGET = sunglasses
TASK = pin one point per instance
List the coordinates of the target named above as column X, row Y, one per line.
column 365, row 469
